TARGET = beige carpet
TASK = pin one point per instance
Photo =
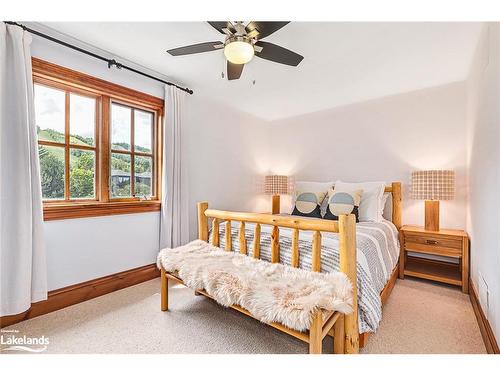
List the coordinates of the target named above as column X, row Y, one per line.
column 420, row 317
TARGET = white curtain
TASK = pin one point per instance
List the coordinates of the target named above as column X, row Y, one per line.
column 174, row 229
column 23, row 274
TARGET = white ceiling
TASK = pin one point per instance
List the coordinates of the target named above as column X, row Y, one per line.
column 344, row 62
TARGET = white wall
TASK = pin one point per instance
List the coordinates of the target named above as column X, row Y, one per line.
column 483, row 128
column 85, row 249
column 384, row 139
column 227, row 150
column 224, row 148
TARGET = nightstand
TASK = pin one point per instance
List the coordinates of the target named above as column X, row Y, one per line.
column 445, row 243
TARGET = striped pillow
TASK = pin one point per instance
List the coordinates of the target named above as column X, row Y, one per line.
column 308, row 204
column 342, row 202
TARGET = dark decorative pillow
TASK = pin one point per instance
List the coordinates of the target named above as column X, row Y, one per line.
column 342, row 202
column 308, row 204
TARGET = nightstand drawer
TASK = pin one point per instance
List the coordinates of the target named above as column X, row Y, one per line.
column 429, row 244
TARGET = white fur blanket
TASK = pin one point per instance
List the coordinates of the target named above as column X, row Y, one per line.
column 271, row 292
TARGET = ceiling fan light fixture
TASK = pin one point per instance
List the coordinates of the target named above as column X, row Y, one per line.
column 241, row 43
column 239, row 52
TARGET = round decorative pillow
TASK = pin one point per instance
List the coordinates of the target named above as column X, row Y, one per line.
column 343, row 202
column 308, row 204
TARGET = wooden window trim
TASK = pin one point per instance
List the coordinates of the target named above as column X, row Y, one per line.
column 79, row 210
column 106, row 93
column 58, row 73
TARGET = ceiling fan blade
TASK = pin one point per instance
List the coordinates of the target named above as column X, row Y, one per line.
column 234, row 70
column 221, row 25
column 278, row 54
column 265, row 28
column 196, row 48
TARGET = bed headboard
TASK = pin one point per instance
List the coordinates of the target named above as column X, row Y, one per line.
column 395, row 190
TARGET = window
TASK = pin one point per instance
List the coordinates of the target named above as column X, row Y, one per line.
column 131, row 152
column 66, row 126
column 99, row 145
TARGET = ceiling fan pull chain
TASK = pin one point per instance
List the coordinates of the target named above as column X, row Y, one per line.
column 223, row 67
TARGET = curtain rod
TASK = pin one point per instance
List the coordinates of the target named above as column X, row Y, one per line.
column 110, row 62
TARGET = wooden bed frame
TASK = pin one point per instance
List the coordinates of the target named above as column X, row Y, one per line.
column 346, row 335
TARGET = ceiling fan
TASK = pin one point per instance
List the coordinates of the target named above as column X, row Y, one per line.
column 242, row 43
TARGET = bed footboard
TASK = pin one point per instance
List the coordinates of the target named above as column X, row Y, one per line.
column 345, row 226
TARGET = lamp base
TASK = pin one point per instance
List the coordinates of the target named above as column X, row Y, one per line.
column 432, row 216
column 276, row 205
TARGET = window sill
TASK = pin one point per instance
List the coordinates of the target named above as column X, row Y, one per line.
column 79, row 210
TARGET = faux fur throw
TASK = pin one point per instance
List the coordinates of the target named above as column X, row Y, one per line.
column 271, row 292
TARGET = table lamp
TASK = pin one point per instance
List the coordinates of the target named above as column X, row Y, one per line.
column 276, row 185
column 432, row 186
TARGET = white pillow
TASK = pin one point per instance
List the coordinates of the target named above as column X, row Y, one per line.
column 371, row 207
column 313, row 187
column 385, row 196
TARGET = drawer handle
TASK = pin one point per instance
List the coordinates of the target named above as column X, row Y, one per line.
column 432, row 242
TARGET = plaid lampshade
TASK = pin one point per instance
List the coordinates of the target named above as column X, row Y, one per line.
column 277, row 185
column 433, row 185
